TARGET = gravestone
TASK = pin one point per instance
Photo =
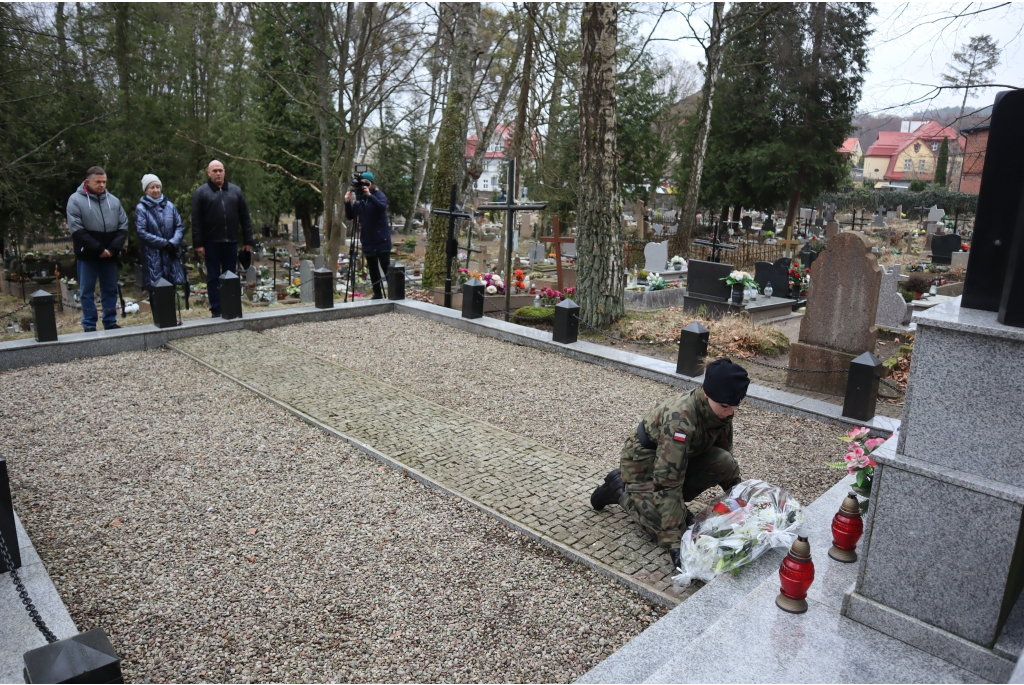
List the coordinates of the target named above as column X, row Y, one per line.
column 672, row 229
column 252, row 277
column 569, row 249
column 318, row 261
column 943, row 247
column 525, row 225
column 776, row 273
column 931, row 227
column 768, row 225
column 831, row 230
column 747, row 222
column 537, row 253
column 890, row 215
column 306, row 281
column 840, row 322
column 704, row 279
column 878, row 221
column 807, row 256
column 669, row 217
column 421, row 246
column 892, row 308
column 657, row 229
column 806, row 214
column 655, row 257
column 935, row 214
column 958, row 260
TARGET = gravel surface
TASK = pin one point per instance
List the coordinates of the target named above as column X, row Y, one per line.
column 582, row 409
column 215, row 537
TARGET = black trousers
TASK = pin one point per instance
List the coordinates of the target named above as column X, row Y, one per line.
column 377, row 263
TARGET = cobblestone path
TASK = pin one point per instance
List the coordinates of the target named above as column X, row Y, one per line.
column 537, row 486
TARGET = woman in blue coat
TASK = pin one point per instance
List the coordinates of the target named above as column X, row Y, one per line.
column 161, row 233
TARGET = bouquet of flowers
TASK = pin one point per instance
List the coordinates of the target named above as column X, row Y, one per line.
column 520, row 282
column 549, row 297
column 493, row 285
column 569, row 294
column 462, row 276
column 858, row 456
column 737, row 528
column 799, row 279
column 678, row 260
column 655, row 282
column 742, row 277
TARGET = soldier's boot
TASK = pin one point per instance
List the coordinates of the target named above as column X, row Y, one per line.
column 676, row 559
column 608, row 492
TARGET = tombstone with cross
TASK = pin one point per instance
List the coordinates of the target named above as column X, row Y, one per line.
column 452, row 245
column 557, row 240
column 510, row 208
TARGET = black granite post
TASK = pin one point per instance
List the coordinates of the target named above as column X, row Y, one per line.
column 996, row 222
column 230, row 295
column 162, row 302
column 323, row 288
column 1011, row 305
column 473, row 299
column 43, row 318
column 567, row 322
column 862, row 387
column 85, row 658
column 7, row 529
column 693, row 348
column 396, row 282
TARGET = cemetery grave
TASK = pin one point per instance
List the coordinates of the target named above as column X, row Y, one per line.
column 226, row 540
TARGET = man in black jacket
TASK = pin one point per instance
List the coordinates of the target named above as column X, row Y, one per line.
column 218, row 208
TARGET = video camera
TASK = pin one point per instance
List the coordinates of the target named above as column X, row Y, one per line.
column 358, row 181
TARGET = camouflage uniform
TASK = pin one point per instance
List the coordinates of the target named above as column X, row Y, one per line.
column 659, row 481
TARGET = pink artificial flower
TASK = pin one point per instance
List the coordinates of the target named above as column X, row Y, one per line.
column 856, row 433
column 850, row 457
column 857, row 452
column 850, row 468
column 872, row 443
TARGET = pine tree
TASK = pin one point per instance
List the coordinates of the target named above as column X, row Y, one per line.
column 942, row 164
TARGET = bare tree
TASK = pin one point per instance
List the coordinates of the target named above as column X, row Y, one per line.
column 971, row 67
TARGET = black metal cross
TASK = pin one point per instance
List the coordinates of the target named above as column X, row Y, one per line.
column 715, row 244
column 510, row 208
column 452, row 245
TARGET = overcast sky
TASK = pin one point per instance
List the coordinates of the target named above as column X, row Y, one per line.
column 909, row 49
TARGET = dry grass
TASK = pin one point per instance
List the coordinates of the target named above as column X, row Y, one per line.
column 734, row 333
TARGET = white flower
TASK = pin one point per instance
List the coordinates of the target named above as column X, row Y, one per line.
column 491, row 290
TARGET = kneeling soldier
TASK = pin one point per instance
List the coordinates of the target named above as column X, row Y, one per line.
column 681, row 448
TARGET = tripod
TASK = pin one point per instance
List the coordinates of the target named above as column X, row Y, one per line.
column 350, row 289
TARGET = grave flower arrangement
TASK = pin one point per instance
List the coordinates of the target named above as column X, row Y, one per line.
column 737, row 528
column 549, row 297
column 655, row 281
column 462, row 276
column 678, row 260
column 858, row 458
column 493, row 285
column 799, row 279
column 520, row 282
column 740, row 278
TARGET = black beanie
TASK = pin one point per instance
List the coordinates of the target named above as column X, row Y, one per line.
column 725, row 382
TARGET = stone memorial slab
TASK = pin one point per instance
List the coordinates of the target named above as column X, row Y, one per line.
column 840, row 322
column 306, row 281
column 943, row 247
column 705, row 279
column 672, row 229
column 525, row 225
column 569, row 249
column 931, row 227
column 768, row 225
column 536, row 253
column 318, row 261
column 776, row 273
column 892, row 308
column 807, row 256
column 958, row 260
column 935, row 213
column 878, row 221
column 655, row 257
column 658, row 229
column 747, row 221
column 252, row 276
column 806, row 214
column 669, row 217
column 831, row 230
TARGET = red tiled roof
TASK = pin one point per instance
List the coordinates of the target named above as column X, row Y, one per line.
column 506, row 136
column 889, row 143
column 848, row 144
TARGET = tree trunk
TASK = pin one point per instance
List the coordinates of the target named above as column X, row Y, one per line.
column 600, row 265
column 449, row 167
column 421, row 169
column 714, row 52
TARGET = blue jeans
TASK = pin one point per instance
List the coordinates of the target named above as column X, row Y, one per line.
column 88, row 272
column 220, row 257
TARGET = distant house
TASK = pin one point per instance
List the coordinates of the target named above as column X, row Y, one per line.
column 899, row 157
column 852, row 149
column 974, row 158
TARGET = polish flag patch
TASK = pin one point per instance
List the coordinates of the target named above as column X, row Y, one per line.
column 679, row 437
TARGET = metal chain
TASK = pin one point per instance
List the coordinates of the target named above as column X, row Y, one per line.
column 774, row 366
column 23, row 594
column 670, row 341
column 890, row 385
column 15, row 311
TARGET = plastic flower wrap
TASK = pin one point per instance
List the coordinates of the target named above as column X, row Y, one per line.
column 737, row 528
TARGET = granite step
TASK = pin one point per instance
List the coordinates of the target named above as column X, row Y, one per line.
column 731, row 630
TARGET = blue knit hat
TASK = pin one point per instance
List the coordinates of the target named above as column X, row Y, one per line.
column 368, row 175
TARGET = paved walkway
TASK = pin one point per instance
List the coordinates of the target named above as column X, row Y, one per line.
column 532, row 485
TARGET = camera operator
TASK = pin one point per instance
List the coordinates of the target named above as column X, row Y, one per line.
column 371, row 205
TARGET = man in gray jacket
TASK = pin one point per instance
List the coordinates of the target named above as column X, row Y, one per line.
column 99, row 228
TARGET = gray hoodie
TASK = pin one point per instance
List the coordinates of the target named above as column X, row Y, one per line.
column 97, row 223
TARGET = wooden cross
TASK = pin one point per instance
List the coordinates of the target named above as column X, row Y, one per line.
column 788, row 243
column 558, row 239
